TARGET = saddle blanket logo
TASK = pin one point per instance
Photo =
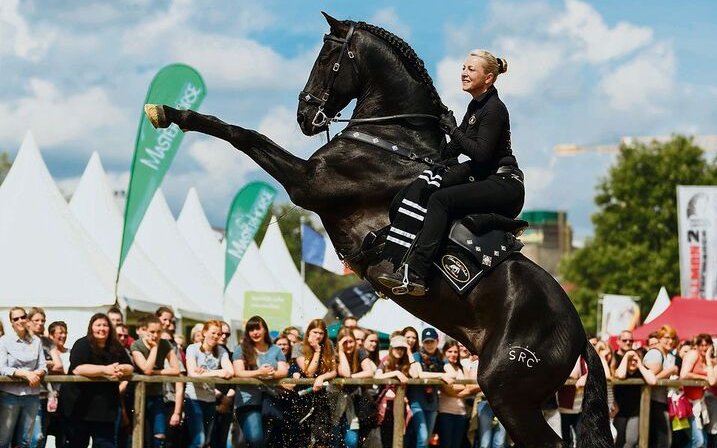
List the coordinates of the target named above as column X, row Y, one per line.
column 454, row 267
column 523, row 356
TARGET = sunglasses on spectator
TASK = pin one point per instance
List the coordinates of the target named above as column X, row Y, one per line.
column 122, row 336
column 17, row 318
column 627, row 340
column 226, row 334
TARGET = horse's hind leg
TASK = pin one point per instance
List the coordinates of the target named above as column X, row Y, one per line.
column 527, row 427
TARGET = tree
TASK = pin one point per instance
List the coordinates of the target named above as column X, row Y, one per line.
column 322, row 282
column 5, row 165
column 635, row 249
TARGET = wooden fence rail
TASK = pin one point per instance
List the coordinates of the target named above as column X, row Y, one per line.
column 398, row 405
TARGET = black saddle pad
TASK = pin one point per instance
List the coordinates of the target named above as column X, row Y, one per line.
column 467, row 256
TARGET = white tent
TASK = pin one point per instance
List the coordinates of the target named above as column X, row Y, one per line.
column 47, row 259
column 204, row 241
column 167, row 249
column 305, row 304
column 387, row 316
column 94, row 207
column 662, row 302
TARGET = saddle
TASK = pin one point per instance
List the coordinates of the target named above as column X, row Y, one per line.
column 474, row 246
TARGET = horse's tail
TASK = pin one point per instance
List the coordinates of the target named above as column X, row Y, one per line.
column 594, row 429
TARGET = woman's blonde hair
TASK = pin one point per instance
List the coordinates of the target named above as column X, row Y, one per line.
column 491, row 64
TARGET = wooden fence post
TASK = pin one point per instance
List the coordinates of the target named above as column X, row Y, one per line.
column 139, row 410
column 399, row 421
column 644, row 422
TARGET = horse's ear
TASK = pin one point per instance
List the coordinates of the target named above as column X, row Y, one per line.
column 336, row 25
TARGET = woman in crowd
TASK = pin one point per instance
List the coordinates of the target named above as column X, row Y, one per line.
column 695, row 367
column 256, row 357
column 205, row 359
column 353, row 363
column 284, row 345
column 452, row 422
column 424, row 400
column 58, row 335
column 317, row 361
column 61, row 360
column 662, row 363
column 371, row 347
column 397, row 364
column 626, row 407
column 196, row 335
column 411, row 335
column 21, row 356
column 91, row 409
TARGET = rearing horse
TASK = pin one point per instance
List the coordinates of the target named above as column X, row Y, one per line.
column 517, row 319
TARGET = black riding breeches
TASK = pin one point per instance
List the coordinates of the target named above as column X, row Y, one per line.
column 498, row 193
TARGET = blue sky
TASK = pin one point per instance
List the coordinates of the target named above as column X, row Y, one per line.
column 76, row 73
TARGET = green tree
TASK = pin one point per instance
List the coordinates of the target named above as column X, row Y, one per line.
column 322, row 282
column 5, row 165
column 635, row 249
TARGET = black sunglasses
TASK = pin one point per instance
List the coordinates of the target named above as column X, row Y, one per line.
column 226, row 334
column 627, row 340
column 17, row 318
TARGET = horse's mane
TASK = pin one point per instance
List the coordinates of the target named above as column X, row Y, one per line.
column 413, row 63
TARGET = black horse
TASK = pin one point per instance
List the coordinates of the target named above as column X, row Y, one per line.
column 518, row 318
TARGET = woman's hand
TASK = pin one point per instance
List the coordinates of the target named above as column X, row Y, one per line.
column 225, row 374
column 341, row 344
column 447, row 122
column 318, row 384
column 265, row 370
column 401, row 377
column 315, row 345
column 447, row 378
column 33, row 379
column 175, row 419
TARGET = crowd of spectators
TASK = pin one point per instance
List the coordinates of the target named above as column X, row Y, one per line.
column 199, row 414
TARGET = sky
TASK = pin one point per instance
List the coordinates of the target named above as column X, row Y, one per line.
column 76, row 73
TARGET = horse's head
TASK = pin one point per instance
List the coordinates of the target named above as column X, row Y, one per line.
column 333, row 81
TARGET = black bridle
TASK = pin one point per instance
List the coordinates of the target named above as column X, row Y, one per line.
column 320, row 118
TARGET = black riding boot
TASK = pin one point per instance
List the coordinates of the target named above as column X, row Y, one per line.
column 404, row 281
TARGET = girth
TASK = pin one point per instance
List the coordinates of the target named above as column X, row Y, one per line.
column 385, row 145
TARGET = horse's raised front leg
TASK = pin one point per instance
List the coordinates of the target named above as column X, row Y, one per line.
column 289, row 170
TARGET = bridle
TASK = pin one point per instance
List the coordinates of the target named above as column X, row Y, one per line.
column 320, row 118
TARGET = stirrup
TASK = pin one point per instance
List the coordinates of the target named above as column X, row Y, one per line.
column 403, row 289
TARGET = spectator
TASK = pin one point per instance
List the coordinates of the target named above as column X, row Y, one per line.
column 21, row 356
column 284, row 345
column 225, row 400
column 126, row 389
column 424, row 400
column 150, row 354
column 91, row 409
column 257, row 357
column 350, row 322
column 694, row 367
column 570, row 403
column 295, row 340
column 370, row 344
column 117, row 320
column 196, row 335
column 317, row 360
column 653, row 339
column 662, row 364
column 397, row 364
column 205, row 359
column 177, row 340
column 353, row 363
column 174, row 402
column 411, row 335
column 624, row 344
column 626, row 408
column 36, row 324
column 2, row 329
column 452, row 421
column 359, row 335
column 123, row 336
column 61, row 358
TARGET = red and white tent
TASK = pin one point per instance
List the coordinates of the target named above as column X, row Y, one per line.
column 688, row 316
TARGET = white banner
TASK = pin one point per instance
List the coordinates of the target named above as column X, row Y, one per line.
column 697, row 229
column 619, row 313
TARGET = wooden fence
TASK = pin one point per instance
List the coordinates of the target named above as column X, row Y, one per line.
column 398, row 404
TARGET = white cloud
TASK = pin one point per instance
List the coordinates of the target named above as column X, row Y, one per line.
column 280, row 125
column 448, row 85
column 531, row 65
column 388, row 18
column 15, row 36
column 597, row 42
column 642, row 83
column 58, row 118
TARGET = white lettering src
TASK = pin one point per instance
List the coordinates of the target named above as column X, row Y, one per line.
column 523, row 356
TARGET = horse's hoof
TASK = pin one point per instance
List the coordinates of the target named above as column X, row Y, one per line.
column 155, row 114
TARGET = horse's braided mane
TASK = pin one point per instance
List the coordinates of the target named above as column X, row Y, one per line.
column 409, row 55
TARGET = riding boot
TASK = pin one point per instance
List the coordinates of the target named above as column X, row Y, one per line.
column 404, row 281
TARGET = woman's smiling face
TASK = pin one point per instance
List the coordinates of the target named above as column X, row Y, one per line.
column 474, row 79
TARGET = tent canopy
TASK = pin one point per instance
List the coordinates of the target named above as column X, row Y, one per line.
column 688, row 316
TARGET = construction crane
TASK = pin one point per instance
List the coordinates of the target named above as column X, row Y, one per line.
column 706, row 142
